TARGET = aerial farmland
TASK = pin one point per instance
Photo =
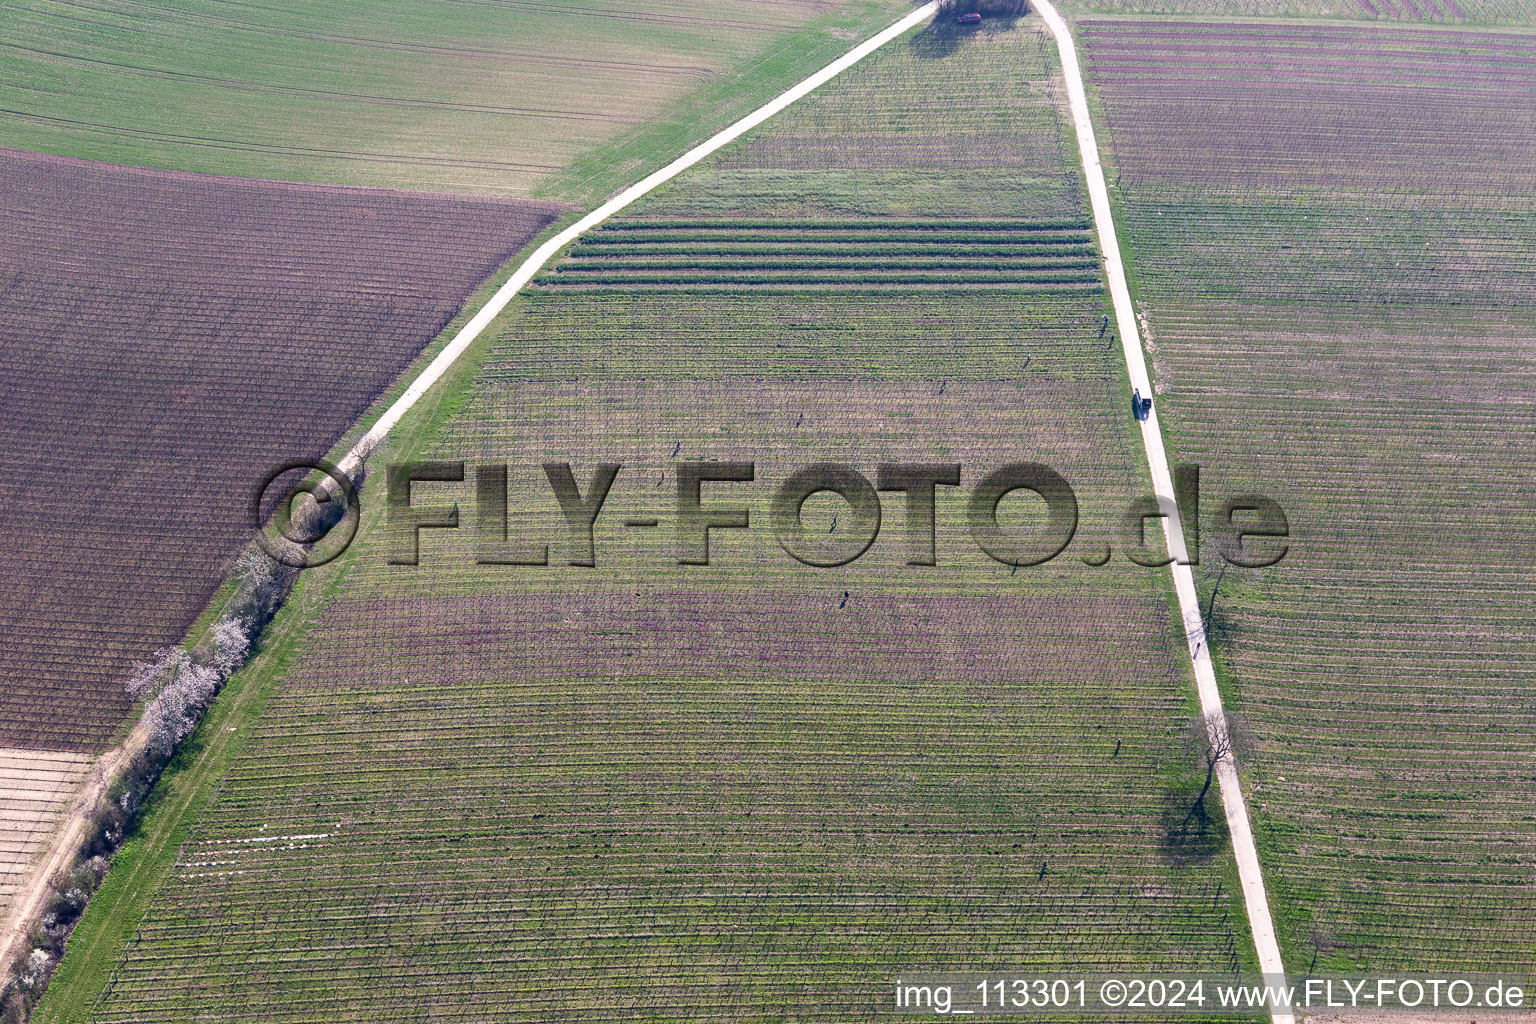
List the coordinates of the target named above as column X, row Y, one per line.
column 163, row 328
column 815, row 510
column 732, row 770
column 1382, row 388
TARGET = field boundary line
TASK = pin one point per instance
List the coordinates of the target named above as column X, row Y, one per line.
column 544, row 253
column 1233, row 804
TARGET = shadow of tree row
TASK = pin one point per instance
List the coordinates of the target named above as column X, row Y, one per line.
column 944, row 35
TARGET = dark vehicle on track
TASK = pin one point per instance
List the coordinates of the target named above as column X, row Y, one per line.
column 1141, row 408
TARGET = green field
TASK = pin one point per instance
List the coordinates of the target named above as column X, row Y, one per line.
column 572, row 100
column 1342, row 314
column 751, row 790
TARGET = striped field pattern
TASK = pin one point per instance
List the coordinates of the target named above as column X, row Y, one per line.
column 752, row 790
column 831, row 254
column 1366, row 355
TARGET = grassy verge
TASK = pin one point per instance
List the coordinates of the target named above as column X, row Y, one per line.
column 472, row 305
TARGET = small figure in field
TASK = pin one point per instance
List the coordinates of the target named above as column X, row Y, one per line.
column 942, row 385
column 833, row 526
column 663, row 478
column 844, row 601
column 1104, row 326
column 1042, row 869
column 676, row 449
column 800, row 420
column 1117, row 749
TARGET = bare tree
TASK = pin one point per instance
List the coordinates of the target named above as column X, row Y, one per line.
column 1216, row 747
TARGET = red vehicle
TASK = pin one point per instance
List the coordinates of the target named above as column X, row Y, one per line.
column 968, row 19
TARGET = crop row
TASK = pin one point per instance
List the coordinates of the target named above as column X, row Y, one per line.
column 1517, row 11
column 1337, row 109
column 894, row 250
column 652, row 255
column 484, row 832
column 643, row 227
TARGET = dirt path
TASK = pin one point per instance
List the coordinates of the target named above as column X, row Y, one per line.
column 1236, row 809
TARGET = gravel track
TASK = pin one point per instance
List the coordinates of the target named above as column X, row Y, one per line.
column 1235, row 807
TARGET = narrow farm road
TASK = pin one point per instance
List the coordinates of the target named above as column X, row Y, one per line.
column 1235, row 807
